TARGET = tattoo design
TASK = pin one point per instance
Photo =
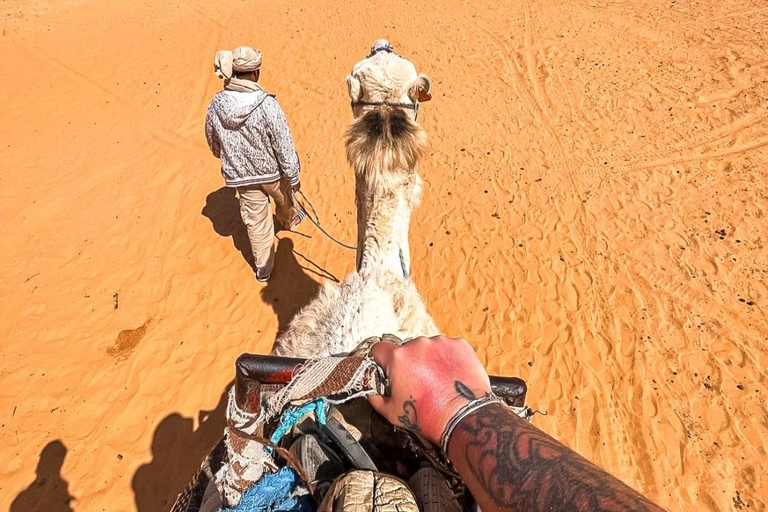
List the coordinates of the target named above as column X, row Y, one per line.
column 409, row 419
column 463, row 390
column 521, row 468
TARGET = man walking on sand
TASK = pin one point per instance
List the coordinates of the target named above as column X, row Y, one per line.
column 246, row 129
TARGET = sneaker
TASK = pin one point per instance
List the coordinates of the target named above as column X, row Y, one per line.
column 262, row 279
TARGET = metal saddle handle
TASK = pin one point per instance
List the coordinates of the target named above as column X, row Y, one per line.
column 251, row 371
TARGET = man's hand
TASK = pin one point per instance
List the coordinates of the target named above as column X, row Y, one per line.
column 430, row 379
column 296, row 188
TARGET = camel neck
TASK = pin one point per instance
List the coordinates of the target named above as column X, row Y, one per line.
column 384, row 203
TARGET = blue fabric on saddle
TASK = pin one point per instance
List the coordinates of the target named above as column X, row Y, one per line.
column 274, row 492
column 294, row 414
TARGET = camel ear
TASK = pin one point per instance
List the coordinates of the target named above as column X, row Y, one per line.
column 354, row 88
column 420, row 89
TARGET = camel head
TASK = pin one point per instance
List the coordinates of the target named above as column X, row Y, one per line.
column 384, row 137
column 385, row 77
column 384, row 144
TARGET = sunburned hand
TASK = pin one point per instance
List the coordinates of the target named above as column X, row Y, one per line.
column 430, row 379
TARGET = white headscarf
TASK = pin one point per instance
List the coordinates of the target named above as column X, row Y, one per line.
column 242, row 60
column 222, row 64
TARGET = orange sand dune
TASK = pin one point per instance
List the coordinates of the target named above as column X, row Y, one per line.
column 593, row 221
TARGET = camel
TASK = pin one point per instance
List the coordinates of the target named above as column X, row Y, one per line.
column 383, row 145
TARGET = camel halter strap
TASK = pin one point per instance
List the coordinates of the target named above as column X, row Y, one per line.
column 410, row 106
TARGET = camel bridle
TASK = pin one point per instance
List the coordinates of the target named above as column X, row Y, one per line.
column 410, row 106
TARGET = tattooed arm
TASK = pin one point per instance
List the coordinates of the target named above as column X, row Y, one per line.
column 507, row 463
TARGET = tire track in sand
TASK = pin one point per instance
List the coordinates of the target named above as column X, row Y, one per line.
column 734, row 150
column 683, row 153
column 535, row 104
column 532, row 64
column 69, row 70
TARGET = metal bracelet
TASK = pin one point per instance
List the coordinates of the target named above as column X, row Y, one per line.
column 465, row 411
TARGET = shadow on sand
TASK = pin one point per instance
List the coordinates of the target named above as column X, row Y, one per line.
column 222, row 208
column 48, row 493
column 178, row 449
column 177, row 452
column 290, row 288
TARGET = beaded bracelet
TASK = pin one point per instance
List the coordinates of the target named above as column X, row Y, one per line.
column 465, row 411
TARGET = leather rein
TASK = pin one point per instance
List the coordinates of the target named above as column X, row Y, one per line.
column 410, row 106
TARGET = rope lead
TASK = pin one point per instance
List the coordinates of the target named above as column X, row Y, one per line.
column 316, row 220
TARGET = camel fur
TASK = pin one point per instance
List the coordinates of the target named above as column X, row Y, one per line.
column 383, row 144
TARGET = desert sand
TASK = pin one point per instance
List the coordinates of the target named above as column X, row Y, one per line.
column 593, row 221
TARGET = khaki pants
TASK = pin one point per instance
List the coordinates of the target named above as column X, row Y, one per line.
column 254, row 209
